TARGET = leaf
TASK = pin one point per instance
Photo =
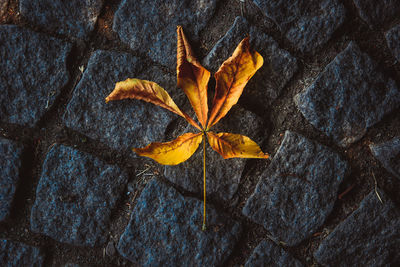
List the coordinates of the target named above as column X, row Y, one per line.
column 235, row 146
column 231, row 78
column 173, row 152
column 149, row 92
column 192, row 77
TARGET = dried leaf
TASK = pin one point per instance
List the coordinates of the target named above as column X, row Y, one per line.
column 234, row 146
column 231, row 78
column 173, row 152
column 149, row 92
column 192, row 77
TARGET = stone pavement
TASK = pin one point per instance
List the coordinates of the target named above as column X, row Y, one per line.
column 325, row 105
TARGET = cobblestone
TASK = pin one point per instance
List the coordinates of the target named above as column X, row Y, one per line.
column 19, row 254
column 388, row 153
column 393, row 41
column 377, row 13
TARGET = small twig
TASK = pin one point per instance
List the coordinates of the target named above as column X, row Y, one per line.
column 242, row 3
column 376, row 191
column 142, row 172
column 346, row 191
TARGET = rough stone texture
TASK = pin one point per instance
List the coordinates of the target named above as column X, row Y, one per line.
column 368, row 237
column 348, row 97
column 388, row 154
column 119, row 124
column 308, row 24
column 3, row 7
column 73, row 17
column 298, row 190
column 150, row 26
column 269, row 254
column 32, row 73
column 10, row 164
column 279, row 66
column 19, row 254
column 223, row 175
column 75, row 196
column 378, row 13
column 165, row 230
column 393, row 41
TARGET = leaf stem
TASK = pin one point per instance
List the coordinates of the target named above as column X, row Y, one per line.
column 204, row 181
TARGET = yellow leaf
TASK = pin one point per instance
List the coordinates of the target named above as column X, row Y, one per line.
column 234, row 146
column 173, row 152
column 147, row 91
column 231, row 78
column 192, row 77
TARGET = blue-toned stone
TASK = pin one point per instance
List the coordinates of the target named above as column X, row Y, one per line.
column 298, row 190
column 388, row 153
column 165, row 230
column 10, row 164
column 75, row 197
column 269, row 254
column 279, row 66
column 32, row 73
column 348, row 97
column 150, row 26
column 368, row 237
column 19, row 254
column 74, row 18
column 119, row 124
column 308, row 24
column 393, row 41
column 378, row 13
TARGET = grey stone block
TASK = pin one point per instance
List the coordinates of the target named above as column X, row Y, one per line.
column 393, row 41
column 119, row 124
column 378, row 13
column 75, row 197
column 308, row 24
column 74, row 18
column 279, row 66
column 32, row 73
column 269, row 254
column 368, row 237
column 388, row 154
column 298, row 190
column 10, row 164
column 165, row 230
column 19, row 254
column 150, row 26
column 348, row 97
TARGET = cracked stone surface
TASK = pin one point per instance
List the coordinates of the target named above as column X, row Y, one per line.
column 348, row 97
column 119, row 124
column 308, row 24
column 298, row 190
column 269, row 254
column 75, row 197
column 74, row 18
column 279, row 66
column 150, row 26
column 10, row 164
column 19, row 254
column 32, row 73
column 165, row 230
column 393, row 41
column 377, row 13
column 223, row 175
column 388, row 153
column 368, row 237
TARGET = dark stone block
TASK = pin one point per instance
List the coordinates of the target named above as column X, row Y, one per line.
column 378, row 13
column 279, row 66
column 74, row 18
column 308, row 24
column 19, row 254
column 32, row 73
column 165, row 230
column 10, row 164
column 120, row 124
column 269, row 254
column 393, row 41
column 348, row 97
column 223, row 175
column 75, row 197
column 298, row 190
column 368, row 237
column 150, row 26
column 388, row 154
